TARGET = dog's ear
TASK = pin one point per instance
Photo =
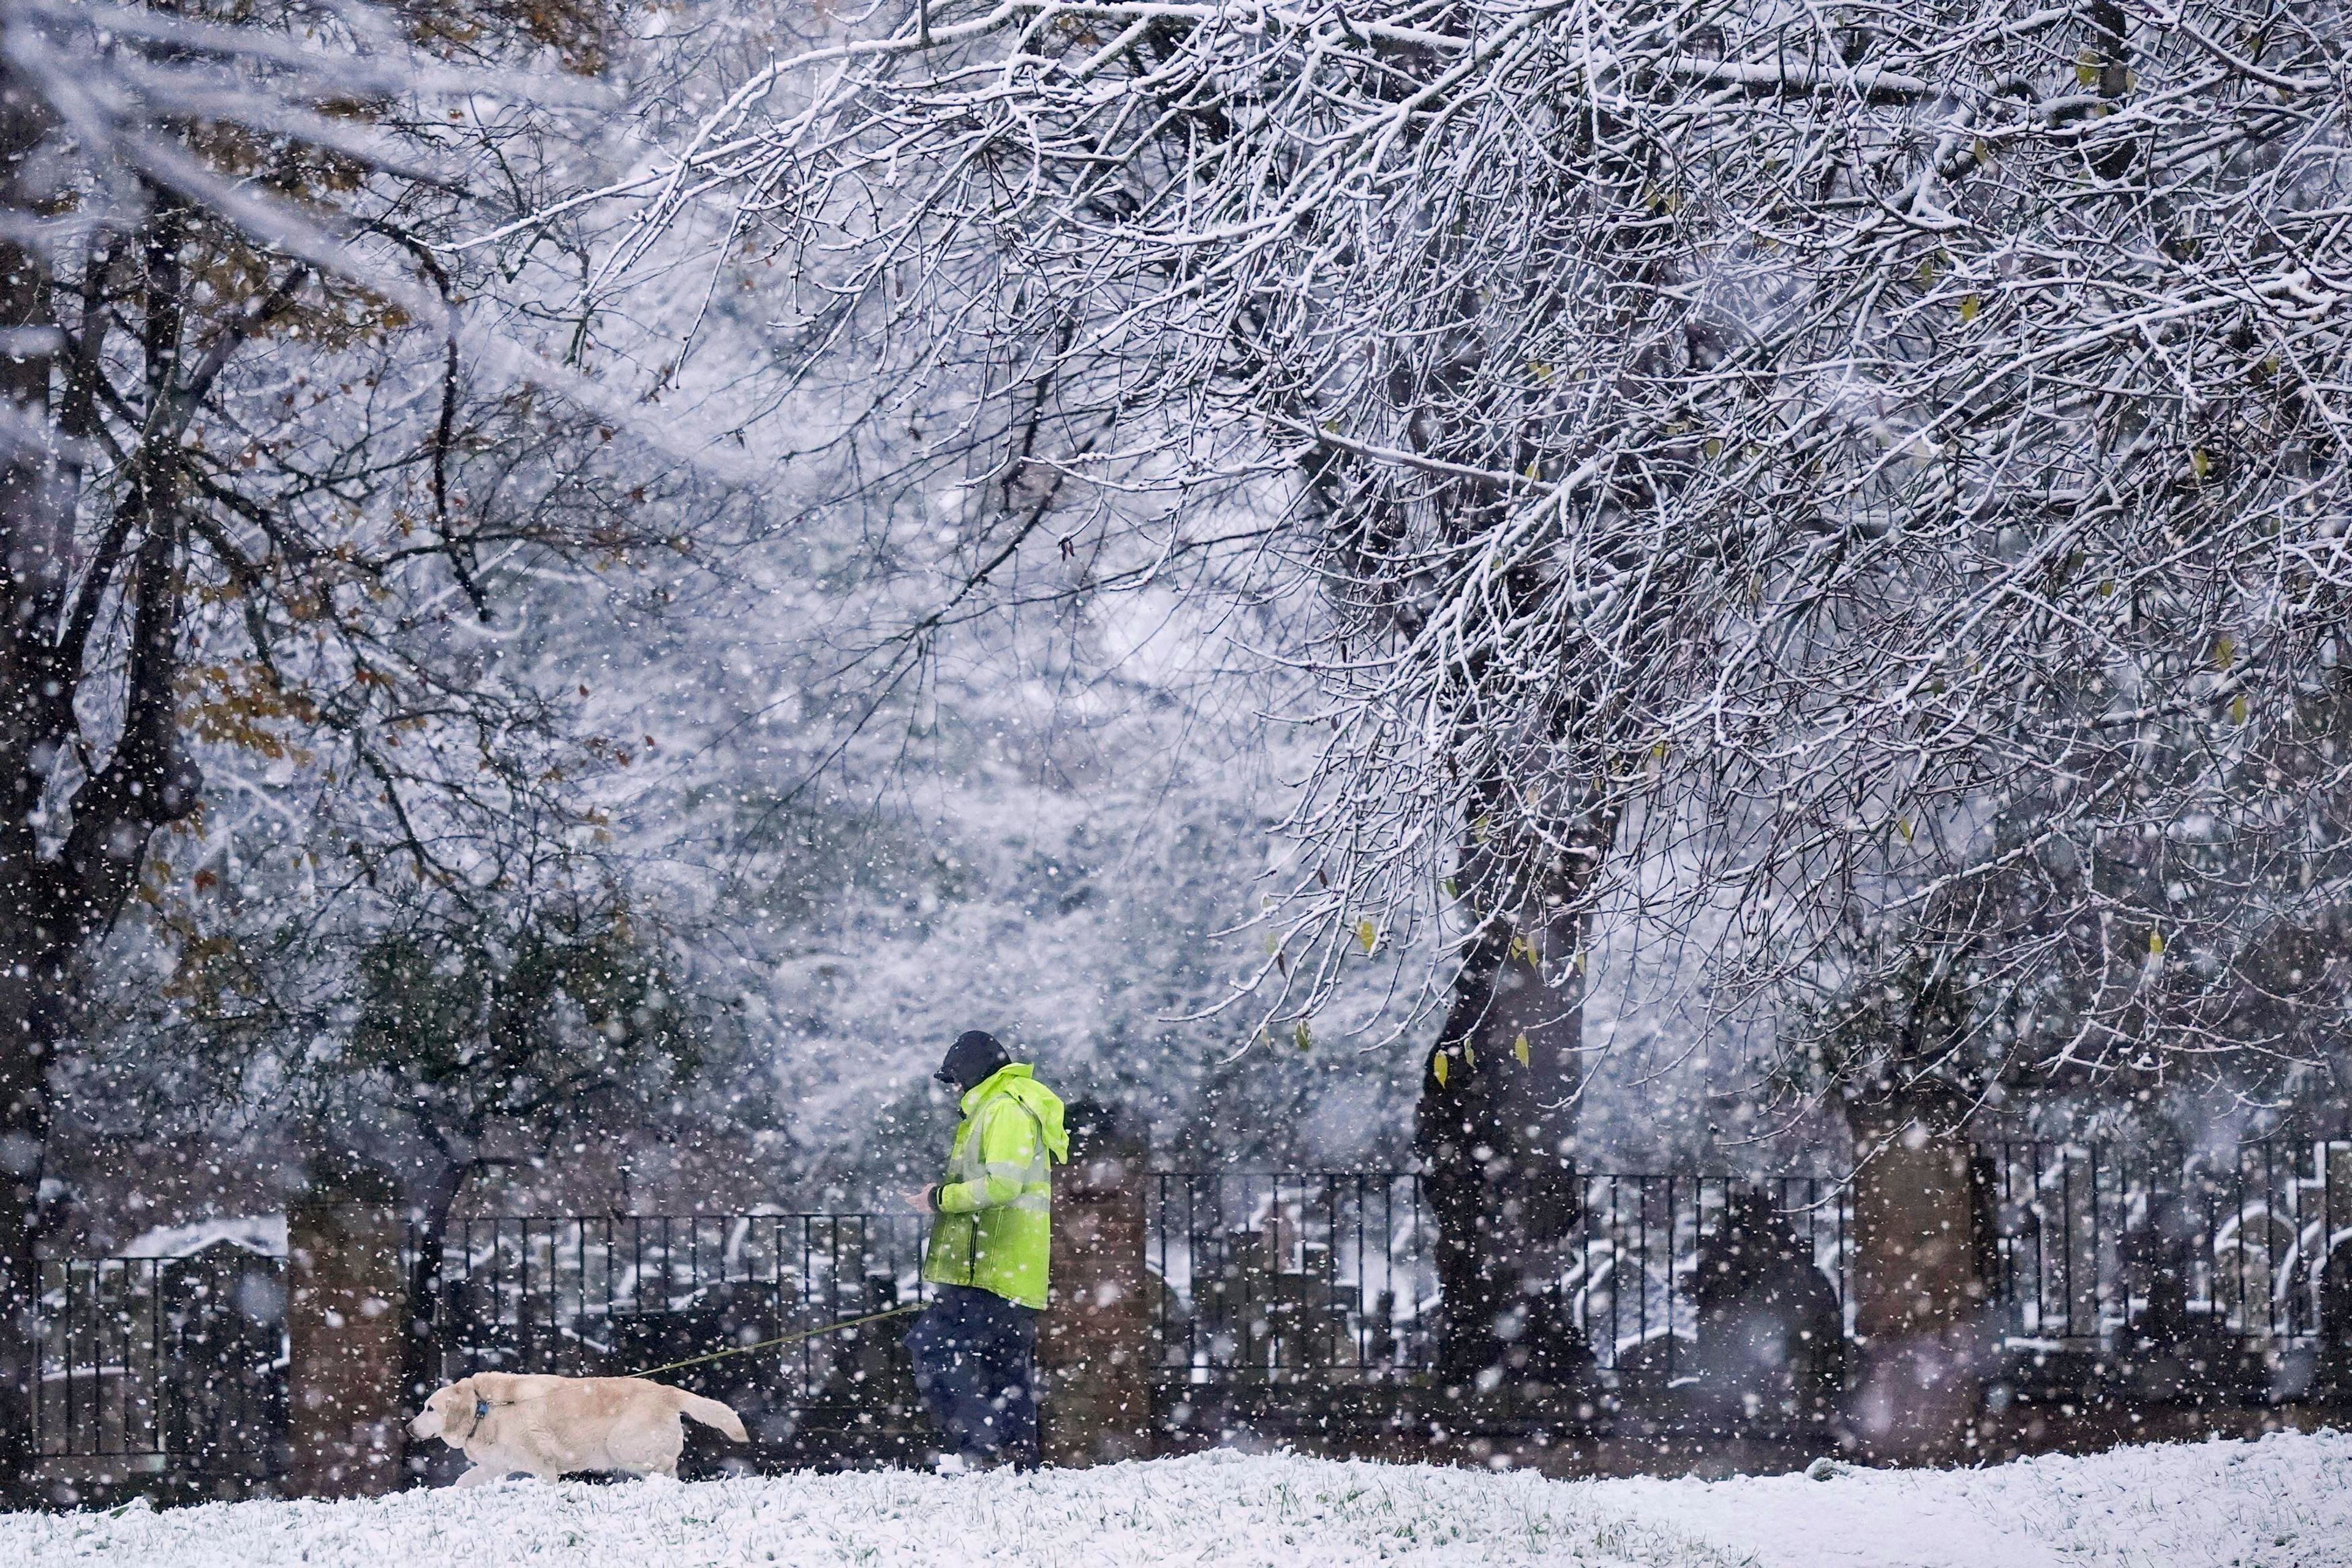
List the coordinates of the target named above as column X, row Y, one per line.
column 460, row 1411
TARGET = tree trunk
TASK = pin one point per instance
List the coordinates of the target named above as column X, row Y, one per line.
column 1494, row 1130
column 420, row 1357
column 56, row 897
column 33, row 532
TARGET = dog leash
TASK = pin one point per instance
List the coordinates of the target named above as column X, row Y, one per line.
column 483, row 1406
column 780, row 1340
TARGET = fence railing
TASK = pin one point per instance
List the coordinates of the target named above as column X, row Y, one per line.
column 602, row 1296
column 1290, row 1275
column 149, row 1358
column 1254, row 1280
column 2100, row 1246
column 1289, row 1278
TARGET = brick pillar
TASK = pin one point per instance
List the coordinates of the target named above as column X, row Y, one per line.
column 1920, row 1297
column 1094, row 1342
column 343, row 1327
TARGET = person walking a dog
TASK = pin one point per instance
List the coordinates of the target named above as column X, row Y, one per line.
column 974, row 1347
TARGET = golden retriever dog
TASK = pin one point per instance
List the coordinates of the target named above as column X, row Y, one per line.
column 507, row 1422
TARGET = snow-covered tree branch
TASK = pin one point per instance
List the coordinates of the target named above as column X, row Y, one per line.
column 1744, row 454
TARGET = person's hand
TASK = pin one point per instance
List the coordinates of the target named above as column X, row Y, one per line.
column 921, row 1197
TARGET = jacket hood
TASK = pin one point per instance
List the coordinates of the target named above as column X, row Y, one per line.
column 1019, row 1081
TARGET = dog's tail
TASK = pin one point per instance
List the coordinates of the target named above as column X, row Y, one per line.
column 710, row 1413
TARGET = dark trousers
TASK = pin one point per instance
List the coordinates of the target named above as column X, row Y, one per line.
column 975, row 1364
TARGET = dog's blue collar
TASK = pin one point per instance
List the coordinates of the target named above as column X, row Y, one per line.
column 481, row 1409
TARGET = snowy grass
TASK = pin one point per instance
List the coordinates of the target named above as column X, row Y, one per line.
column 2284, row 1502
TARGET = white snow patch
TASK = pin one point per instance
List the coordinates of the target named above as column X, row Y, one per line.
column 2284, row 1502
column 264, row 1234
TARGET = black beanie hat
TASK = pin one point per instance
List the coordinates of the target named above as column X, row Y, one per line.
column 974, row 1056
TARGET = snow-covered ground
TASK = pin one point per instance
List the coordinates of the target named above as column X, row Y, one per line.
column 2284, row 1502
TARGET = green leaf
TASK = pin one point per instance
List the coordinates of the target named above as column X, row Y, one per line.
column 1303, row 1036
column 1521, row 1050
column 1368, row 934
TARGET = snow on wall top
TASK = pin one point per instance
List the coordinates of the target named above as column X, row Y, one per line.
column 264, row 1234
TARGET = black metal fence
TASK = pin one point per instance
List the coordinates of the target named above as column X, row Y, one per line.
column 1289, row 1276
column 1650, row 1251
column 2104, row 1247
column 1278, row 1278
column 614, row 1295
column 1280, row 1285
column 153, row 1361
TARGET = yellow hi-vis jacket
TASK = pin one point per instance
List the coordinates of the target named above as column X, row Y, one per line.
column 995, row 1224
